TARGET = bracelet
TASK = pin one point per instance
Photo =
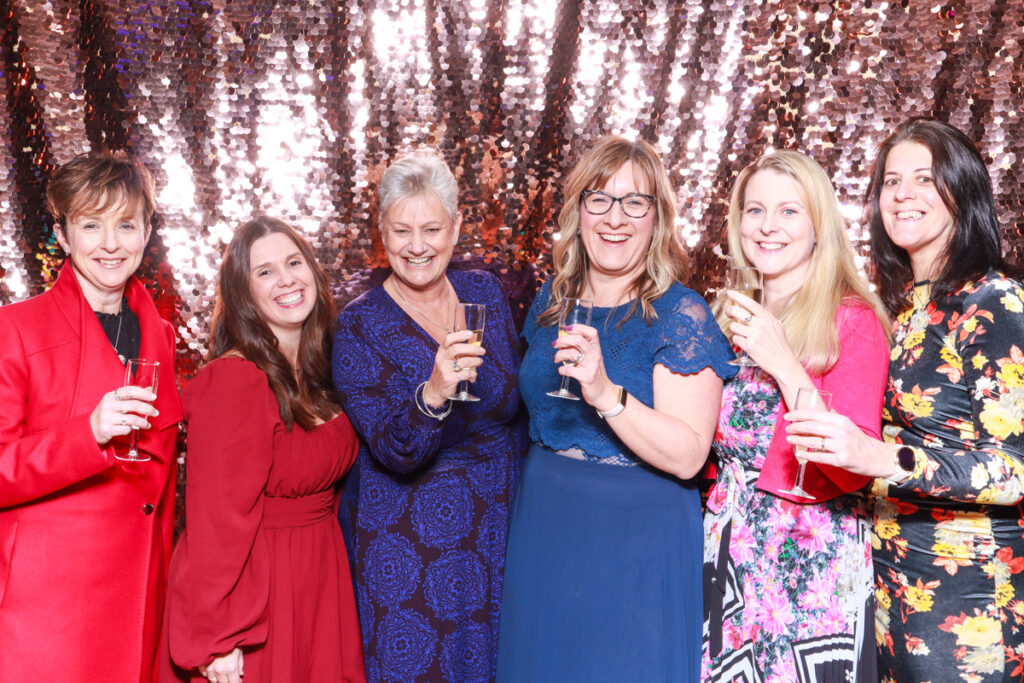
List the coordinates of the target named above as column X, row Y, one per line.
column 421, row 405
column 619, row 406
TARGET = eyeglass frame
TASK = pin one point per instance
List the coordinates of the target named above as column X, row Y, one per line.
column 586, row 193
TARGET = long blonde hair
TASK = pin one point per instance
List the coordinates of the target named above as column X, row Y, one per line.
column 666, row 261
column 808, row 317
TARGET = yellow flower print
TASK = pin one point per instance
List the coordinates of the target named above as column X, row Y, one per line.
column 887, row 528
column 882, row 598
column 917, row 402
column 1003, row 416
column 1011, row 375
column 912, row 340
column 978, row 632
column 1011, row 301
column 979, row 361
column 970, row 324
column 895, row 353
column 919, row 599
column 1004, row 593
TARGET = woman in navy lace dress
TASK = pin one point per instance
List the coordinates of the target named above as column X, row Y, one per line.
column 603, row 572
column 428, row 498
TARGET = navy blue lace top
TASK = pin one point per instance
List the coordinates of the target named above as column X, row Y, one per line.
column 685, row 338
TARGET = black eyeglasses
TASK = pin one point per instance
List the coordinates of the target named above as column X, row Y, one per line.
column 634, row 204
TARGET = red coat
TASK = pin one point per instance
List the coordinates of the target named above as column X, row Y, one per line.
column 84, row 538
column 857, row 382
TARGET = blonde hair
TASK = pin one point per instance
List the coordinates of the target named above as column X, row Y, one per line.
column 666, row 261
column 808, row 317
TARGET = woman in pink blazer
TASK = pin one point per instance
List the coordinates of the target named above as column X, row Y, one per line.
column 85, row 537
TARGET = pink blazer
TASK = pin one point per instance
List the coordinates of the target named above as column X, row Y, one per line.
column 857, row 382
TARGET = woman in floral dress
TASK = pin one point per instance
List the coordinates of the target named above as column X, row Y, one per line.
column 788, row 578
column 949, row 551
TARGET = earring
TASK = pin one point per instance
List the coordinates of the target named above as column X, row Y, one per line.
column 579, row 233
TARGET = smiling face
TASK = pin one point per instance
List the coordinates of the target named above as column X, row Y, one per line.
column 913, row 213
column 776, row 231
column 282, row 285
column 616, row 244
column 105, row 248
column 419, row 238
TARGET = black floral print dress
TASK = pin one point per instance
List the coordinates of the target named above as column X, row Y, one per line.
column 949, row 542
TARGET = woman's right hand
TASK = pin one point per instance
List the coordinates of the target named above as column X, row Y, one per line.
column 227, row 668
column 120, row 410
column 455, row 361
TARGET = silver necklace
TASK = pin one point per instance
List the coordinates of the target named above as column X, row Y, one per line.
column 117, row 337
column 448, row 306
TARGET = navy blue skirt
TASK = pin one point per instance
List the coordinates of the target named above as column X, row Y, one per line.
column 602, row 575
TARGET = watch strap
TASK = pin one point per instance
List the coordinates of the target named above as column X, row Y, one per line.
column 618, row 408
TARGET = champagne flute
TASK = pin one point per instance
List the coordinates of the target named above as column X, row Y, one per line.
column 469, row 317
column 139, row 372
column 573, row 312
column 814, row 399
column 746, row 281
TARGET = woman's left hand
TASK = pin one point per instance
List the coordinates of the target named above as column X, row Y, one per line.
column 760, row 334
column 834, row 439
column 581, row 349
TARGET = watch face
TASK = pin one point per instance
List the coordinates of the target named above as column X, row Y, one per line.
column 906, row 458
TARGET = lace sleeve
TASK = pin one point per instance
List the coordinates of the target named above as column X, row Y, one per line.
column 540, row 303
column 690, row 340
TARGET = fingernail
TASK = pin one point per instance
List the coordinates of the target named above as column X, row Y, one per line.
column 554, row 343
column 568, row 328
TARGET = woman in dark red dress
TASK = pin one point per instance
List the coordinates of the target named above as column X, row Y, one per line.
column 259, row 581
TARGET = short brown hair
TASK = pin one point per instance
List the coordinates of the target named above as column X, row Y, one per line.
column 100, row 181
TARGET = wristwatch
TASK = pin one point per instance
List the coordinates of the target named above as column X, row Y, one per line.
column 619, row 407
column 905, row 458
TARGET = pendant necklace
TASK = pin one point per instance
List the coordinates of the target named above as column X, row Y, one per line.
column 117, row 337
column 448, row 307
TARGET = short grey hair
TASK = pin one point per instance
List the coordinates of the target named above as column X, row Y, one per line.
column 415, row 175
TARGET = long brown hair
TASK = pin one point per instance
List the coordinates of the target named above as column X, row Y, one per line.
column 305, row 394
column 666, row 261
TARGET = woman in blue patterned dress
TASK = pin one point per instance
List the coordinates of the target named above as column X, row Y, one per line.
column 429, row 496
column 948, row 546
column 603, row 565
column 788, row 578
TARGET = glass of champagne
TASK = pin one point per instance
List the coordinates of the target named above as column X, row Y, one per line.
column 813, row 399
column 139, row 372
column 746, row 281
column 469, row 317
column 573, row 312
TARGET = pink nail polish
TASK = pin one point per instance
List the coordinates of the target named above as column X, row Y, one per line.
column 568, row 328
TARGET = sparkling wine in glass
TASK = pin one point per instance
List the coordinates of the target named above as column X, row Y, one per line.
column 813, row 399
column 746, row 281
column 573, row 312
column 469, row 317
column 139, row 372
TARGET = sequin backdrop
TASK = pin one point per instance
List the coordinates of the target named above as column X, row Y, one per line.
column 294, row 107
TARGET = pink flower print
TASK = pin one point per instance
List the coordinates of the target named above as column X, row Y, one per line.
column 833, row 620
column 813, row 530
column 818, row 594
column 775, row 612
column 784, row 671
column 742, row 544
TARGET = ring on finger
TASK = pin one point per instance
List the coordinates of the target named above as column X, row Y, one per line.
column 117, row 394
column 455, row 366
column 750, row 316
column 579, row 358
column 822, row 443
column 124, row 419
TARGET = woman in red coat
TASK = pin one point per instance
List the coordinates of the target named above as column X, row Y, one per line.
column 260, row 581
column 85, row 537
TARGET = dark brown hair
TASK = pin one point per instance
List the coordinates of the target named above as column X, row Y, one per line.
column 963, row 183
column 99, row 181
column 306, row 394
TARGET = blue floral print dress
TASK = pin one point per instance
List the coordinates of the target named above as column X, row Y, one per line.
column 425, row 508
